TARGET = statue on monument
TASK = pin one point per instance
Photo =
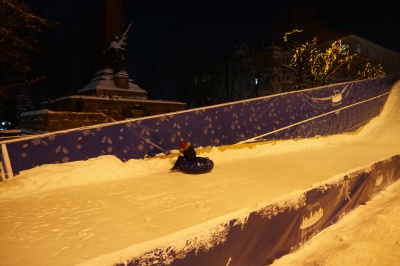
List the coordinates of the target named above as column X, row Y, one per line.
column 115, row 53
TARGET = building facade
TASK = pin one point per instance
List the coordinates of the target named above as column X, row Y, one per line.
column 251, row 73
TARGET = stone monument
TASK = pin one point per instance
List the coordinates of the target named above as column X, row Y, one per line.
column 112, row 78
column 110, row 96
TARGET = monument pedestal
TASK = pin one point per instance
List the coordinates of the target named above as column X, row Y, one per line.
column 121, row 81
column 61, row 114
column 105, row 83
column 101, row 101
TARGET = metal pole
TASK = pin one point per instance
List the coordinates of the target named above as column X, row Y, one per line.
column 6, row 161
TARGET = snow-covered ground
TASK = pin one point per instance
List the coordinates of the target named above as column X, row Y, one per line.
column 73, row 213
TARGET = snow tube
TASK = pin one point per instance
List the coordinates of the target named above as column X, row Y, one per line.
column 199, row 165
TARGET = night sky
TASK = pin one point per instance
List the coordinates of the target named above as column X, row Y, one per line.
column 163, row 31
column 167, row 28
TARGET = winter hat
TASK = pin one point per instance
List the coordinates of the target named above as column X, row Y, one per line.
column 182, row 145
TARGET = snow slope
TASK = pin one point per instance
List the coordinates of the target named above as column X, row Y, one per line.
column 94, row 211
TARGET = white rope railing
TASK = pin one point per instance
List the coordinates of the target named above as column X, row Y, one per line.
column 310, row 119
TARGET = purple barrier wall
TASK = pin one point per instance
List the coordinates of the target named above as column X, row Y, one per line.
column 277, row 229
column 320, row 111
